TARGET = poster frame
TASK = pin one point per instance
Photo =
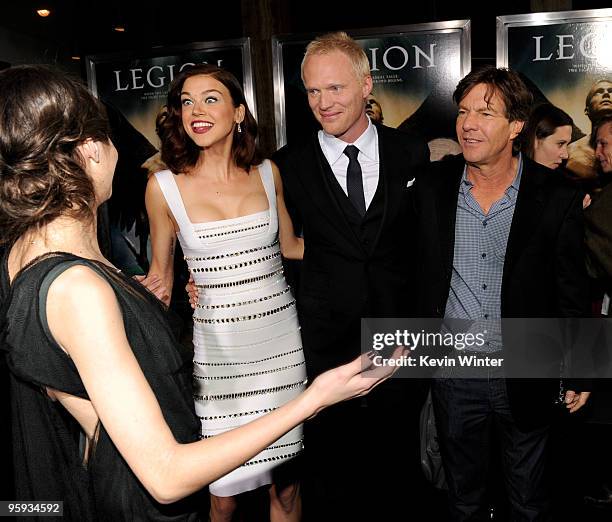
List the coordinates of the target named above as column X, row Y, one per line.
column 538, row 19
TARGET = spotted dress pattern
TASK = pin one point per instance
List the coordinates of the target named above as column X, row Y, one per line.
column 248, row 357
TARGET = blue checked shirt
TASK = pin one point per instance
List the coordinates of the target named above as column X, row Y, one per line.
column 478, row 262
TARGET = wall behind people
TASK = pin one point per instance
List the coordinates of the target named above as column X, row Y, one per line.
column 20, row 48
column 88, row 29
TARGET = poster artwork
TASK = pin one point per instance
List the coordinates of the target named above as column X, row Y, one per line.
column 569, row 64
column 138, row 86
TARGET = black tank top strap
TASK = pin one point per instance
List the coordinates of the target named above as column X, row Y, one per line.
column 51, row 276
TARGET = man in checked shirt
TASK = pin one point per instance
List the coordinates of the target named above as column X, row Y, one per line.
column 500, row 236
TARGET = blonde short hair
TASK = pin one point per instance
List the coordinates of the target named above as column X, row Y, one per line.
column 339, row 41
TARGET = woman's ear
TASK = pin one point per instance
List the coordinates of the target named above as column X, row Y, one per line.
column 240, row 113
column 89, row 149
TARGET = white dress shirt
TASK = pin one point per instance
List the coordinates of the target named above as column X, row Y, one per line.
column 367, row 143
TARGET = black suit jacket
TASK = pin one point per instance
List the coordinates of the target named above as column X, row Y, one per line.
column 544, row 273
column 345, row 277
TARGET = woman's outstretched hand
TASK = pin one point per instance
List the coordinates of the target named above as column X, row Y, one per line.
column 350, row 380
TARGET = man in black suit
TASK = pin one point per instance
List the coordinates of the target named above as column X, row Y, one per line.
column 348, row 187
column 499, row 237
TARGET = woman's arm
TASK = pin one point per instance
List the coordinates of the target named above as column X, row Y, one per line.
column 292, row 247
column 160, row 278
column 96, row 341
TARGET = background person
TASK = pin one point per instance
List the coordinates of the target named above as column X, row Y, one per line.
column 547, row 134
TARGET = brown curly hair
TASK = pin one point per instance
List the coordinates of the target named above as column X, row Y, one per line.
column 44, row 116
column 178, row 151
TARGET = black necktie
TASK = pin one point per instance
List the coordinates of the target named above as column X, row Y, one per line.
column 354, row 182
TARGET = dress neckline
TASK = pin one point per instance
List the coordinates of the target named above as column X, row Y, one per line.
column 225, row 220
column 229, row 220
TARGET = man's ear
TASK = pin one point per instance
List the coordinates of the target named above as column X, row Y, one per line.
column 89, row 150
column 367, row 86
column 517, row 127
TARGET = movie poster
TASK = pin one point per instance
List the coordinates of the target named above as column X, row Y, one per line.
column 137, row 85
column 567, row 56
column 414, row 68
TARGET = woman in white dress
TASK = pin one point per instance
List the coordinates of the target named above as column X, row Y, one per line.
column 227, row 209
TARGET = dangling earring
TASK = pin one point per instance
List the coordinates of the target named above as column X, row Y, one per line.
column 239, row 129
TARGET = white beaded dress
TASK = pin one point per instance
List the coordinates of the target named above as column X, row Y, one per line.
column 248, row 357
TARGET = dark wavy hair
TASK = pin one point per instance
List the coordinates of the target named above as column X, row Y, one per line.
column 543, row 122
column 44, row 116
column 507, row 84
column 178, row 151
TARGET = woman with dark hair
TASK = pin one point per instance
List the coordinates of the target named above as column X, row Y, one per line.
column 102, row 406
column 227, row 208
column 547, row 134
column 546, row 137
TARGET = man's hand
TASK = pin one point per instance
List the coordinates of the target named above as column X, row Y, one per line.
column 154, row 285
column 192, row 290
column 574, row 401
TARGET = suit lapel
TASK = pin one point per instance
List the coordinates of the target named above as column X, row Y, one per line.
column 386, row 160
column 447, row 211
column 529, row 207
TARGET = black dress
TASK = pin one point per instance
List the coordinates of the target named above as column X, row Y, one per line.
column 47, row 441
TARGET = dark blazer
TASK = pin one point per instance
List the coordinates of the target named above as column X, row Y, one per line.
column 544, row 272
column 352, row 268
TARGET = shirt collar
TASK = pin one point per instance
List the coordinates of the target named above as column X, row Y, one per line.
column 514, row 187
column 511, row 191
column 367, row 144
